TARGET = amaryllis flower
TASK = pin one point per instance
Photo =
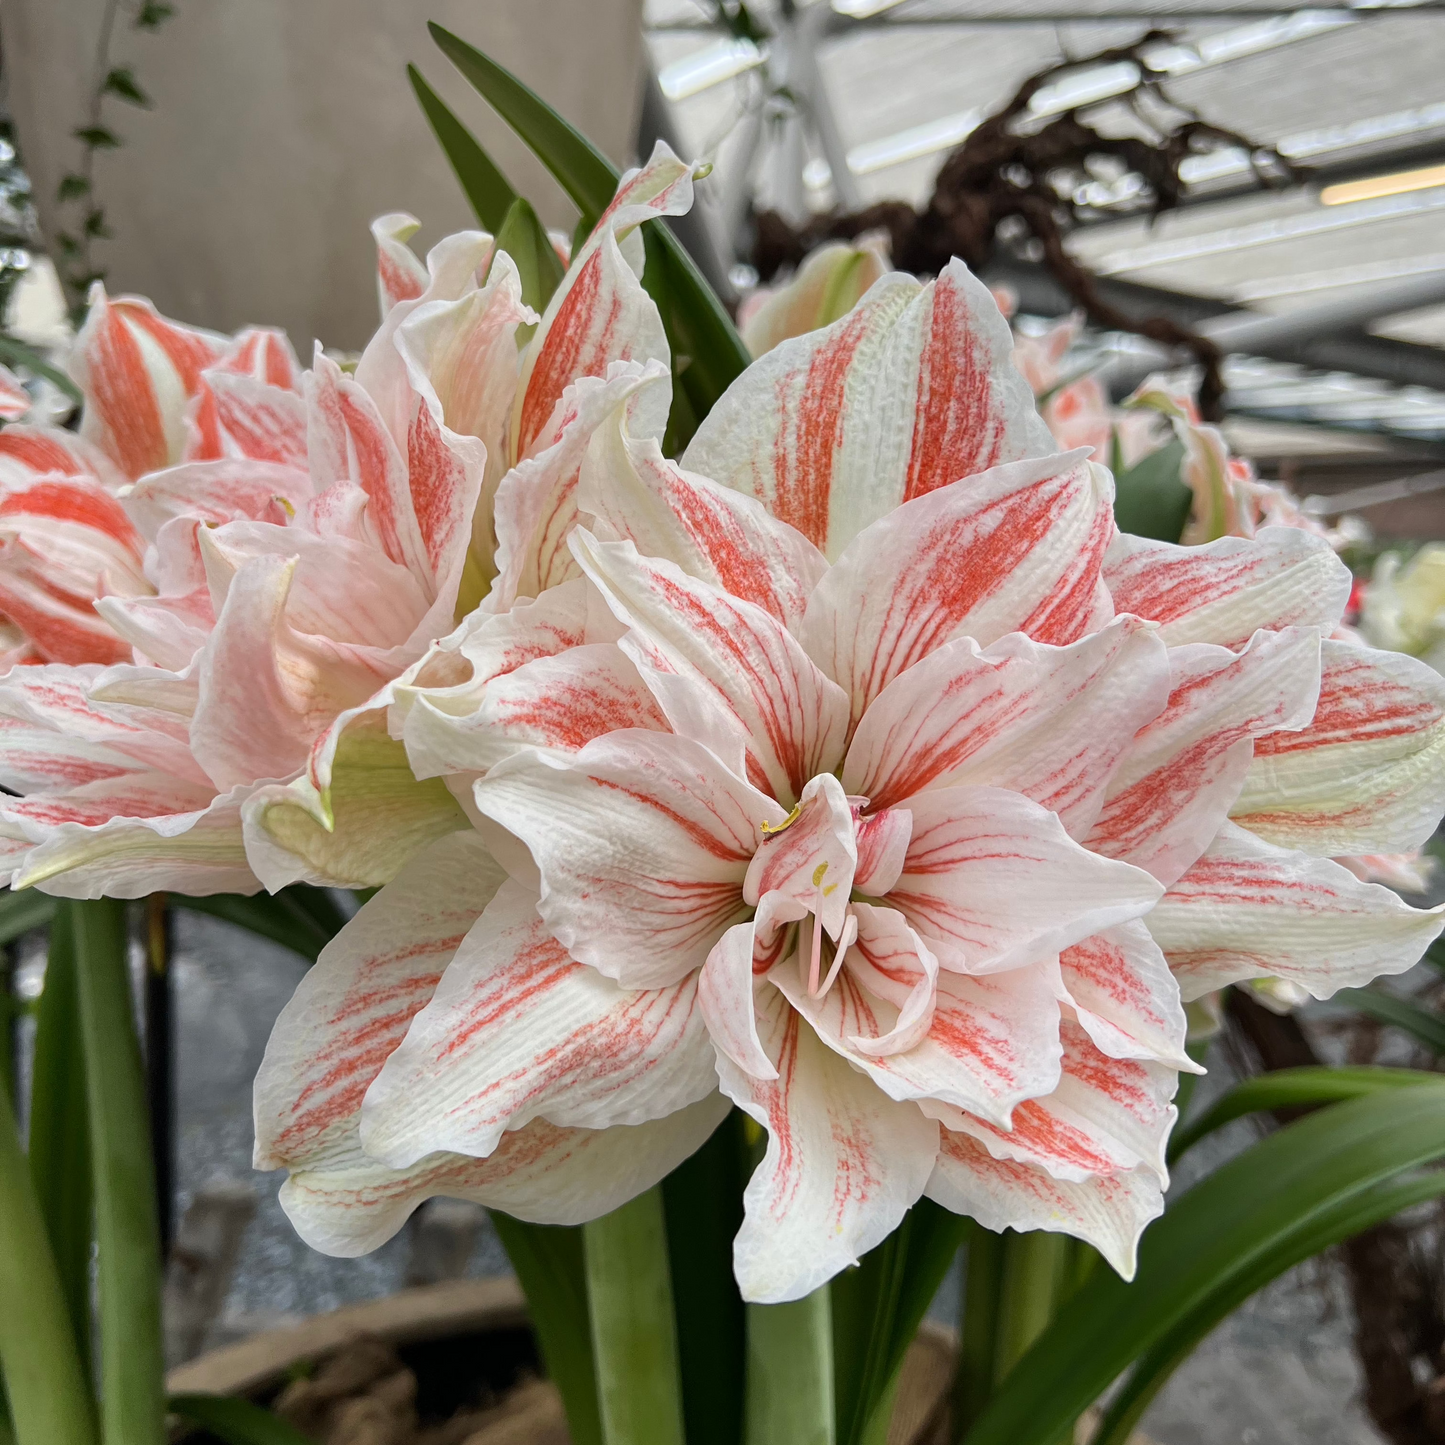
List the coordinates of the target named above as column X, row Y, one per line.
column 308, row 539
column 897, row 804
column 829, row 283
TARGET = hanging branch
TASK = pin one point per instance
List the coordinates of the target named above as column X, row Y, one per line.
column 1012, row 181
column 77, row 268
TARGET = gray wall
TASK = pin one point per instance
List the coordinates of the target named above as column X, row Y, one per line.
column 281, row 127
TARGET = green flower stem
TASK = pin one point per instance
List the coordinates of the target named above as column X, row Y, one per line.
column 59, row 1132
column 978, row 1328
column 634, row 1331
column 48, row 1396
column 132, row 1360
column 1033, row 1273
column 790, row 1372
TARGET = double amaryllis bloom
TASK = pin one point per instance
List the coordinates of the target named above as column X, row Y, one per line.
column 854, row 770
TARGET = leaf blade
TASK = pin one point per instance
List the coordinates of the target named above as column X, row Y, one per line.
column 1400, row 1013
column 484, row 185
column 238, row 1422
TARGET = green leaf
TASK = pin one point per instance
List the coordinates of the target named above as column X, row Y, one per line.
column 121, row 82
column 49, row 1401
column 1153, row 1370
column 1389, row 1008
column 1226, row 1226
column 707, row 352
column 238, row 1422
column 95, row 224
column 548, row 1262
column 877, row 1309
column 17, row 353
column 71, row 187
column 523, row 237
column 790, row 1385
column 634, row 1328
column 153, row 14
column 59, row 1129
column 293, row 917
column 132, row 1363
column 1290, row 1088
column 20, row 912
column 488, row 190
column 587, row 176
column 1150, row 500
column 97, row 137
column 703, row 1198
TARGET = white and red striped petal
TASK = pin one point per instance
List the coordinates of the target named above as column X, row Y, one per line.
column 64, row 542
column 267, row 690
column 233, row 414
column 1048, row 722
column 400, row 275
column 354, row 1006
column 28, row 451
column 1368, row 773
column 844, row 1162
column 600, row 314
column 1017, row 549
column 1181, row 774
column 517, row 1030
column 345, row 1203
column 642, row 840
column 992, row 881
column 217, row 492
column 1105, row 1116
column 710, row 531
column 1248, row 909
column 911, row 391
column 810, row 860
column 1126, row 999
column 1226, row 591
column 138, row 372
column 127, row 837
column 725, row 672
column 1109, row 1212
column 536, row 506
column 992, row 1041
column 729, row 983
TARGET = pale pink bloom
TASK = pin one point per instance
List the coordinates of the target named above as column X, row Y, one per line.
column 859, row 815
column 309, row 538
column 829, row 283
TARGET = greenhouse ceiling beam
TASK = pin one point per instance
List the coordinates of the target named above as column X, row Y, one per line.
column 1345, row 347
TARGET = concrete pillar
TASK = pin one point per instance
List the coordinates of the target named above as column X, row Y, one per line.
column 281, row 127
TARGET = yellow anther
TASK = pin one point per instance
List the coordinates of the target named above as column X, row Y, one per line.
column 831, row 888
column 770, row 830
column 818, row 872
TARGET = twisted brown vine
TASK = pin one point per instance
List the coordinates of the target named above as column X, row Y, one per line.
column 1010, row 181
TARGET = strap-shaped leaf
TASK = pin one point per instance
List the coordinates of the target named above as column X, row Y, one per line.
column 485, row 186
column 549, row 1264
column 1288, row 1089
column 238, row 1422
column 703, row 1198
column 59, row 1129
column 877, row 1309
column 524, row 238
column 1226, row 1227
column 1389, row 1008
column 132, row 1364
column 20, row 912
column 1150, row 500
column 17, row 353
column 303, row 919
column 1152, row 1372
column 707, row 352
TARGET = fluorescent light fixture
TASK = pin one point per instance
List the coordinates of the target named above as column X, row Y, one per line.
column 708, row 67
column 1370, row 272
column 1265, row 233
column 1101, row 82
column 862, row 9
column 1399, row 183
column 909, row 145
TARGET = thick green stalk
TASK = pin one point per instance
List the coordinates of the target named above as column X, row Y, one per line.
column 59, row 1133
column 790, row 1373
column 978, row 1328
column 634, row 1332
column 1032, row 1276
column 48, row 1396
column 132, row 1359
